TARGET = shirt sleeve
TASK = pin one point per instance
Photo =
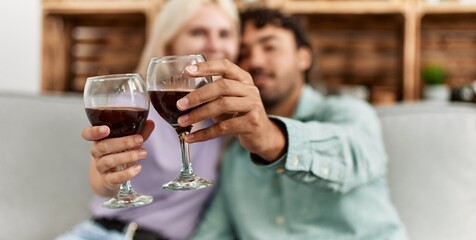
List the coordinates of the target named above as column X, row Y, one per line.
column 338, row 149
column 215, row 223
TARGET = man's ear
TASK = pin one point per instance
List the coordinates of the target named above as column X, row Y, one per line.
column 304, row 57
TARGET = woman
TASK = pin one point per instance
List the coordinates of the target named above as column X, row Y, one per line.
column 208, row 27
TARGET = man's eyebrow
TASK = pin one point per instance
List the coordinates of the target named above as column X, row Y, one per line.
column 267, row 38
column 261, row 40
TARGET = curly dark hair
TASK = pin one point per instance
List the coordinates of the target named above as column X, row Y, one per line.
column 261, row 17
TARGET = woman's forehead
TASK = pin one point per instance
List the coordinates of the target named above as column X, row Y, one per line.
column 211, row 16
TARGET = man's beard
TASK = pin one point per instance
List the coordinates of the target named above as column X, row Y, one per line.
column 269, row 102
column 273, row 98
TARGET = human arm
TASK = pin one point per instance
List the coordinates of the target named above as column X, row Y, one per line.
column 338, row 148
column 108, row 154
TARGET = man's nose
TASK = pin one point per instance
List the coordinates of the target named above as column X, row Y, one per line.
column 257, row 58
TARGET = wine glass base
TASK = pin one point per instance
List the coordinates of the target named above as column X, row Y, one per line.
column 135, row 200
column 187, row 183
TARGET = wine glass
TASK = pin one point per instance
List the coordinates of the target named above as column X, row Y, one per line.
column 121, row 102
column 167, row 83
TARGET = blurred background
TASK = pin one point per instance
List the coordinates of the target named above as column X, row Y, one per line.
column 20, row 45
column 384, row 51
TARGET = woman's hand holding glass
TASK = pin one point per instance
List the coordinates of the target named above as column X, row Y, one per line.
column 107, row 154
column 120, row 102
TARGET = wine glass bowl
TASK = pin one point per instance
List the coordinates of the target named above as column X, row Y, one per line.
column 122, row 121
column 121, row 102
column 167, row 83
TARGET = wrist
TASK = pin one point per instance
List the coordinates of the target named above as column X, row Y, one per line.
column 276, row 142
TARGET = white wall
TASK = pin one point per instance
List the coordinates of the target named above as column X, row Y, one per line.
column 20, row 45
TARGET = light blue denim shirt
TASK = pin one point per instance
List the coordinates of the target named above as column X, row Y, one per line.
column 330, row 184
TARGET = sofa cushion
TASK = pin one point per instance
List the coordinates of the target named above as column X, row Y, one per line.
column 432, row 168
column 43, row 165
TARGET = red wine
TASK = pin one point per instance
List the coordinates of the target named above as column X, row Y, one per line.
column 165, row 102
column 122, row 121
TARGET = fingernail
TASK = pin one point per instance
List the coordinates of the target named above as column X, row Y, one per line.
column 183, row 119
column 139, row 139
column 137, row 168
column 103, row 130
column 192, row 68
column 189, row 137
column 183, row 103
column 142, row 153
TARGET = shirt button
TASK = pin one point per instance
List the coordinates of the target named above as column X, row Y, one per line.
column 325, row 171
column 279, row 170
column 295, row 161
column 279, row 220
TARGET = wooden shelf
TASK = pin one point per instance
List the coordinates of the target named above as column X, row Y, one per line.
column 408, row 87
column 357, row 51
column 446, row 8
column 448, row 40
column 97, row 7
column 343, row 7
column 87, row 38
column 344, row 33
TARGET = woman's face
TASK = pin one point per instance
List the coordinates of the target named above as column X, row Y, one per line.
column 210, row 32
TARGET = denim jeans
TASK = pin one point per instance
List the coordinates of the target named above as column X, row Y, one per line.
column 90, row 230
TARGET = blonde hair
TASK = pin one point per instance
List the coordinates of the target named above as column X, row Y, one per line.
column 171, row 19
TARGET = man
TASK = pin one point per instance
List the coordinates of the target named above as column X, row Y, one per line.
column 304, row 167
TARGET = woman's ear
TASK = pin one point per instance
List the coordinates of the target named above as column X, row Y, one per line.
column 304, row 58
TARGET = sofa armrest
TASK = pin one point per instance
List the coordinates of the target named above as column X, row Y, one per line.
column 43, row 165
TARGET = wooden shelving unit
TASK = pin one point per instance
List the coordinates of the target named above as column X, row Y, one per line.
column 446, row 35
column 419, row 21
column 96, row 7
column 388, row 73
column 379, row 44
column 343, row 7
column 352, row 49
column 445, row 8
column 87, row 38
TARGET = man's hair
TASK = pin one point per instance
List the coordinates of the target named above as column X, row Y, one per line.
column 262, row 17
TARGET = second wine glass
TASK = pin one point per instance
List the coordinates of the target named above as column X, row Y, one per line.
column 167, row 84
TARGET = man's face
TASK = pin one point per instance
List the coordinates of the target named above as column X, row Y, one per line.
column 270, row 55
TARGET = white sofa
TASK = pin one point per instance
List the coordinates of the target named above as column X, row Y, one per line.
column 44, row 165
column 432, row 168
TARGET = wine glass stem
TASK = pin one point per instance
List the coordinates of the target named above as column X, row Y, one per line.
column 126, row 188
column 186, row 169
